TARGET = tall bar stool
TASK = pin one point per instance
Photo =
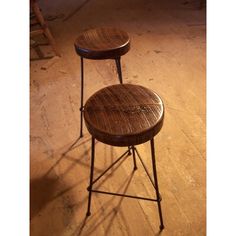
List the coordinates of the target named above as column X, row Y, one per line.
column 99, row 44
column 125, row 115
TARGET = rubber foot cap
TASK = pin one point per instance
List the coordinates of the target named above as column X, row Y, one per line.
column 88, row 214
column 161, row 227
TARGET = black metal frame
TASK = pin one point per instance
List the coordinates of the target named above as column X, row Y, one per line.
column 118, row 66
column 125, row 155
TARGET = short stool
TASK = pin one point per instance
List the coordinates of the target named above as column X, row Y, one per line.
column 125, row 115
column 99, row 44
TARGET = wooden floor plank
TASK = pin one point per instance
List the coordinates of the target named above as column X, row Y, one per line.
column 168, row 56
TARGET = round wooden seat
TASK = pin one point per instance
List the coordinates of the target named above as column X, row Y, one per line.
column 124, row 115
column 102, row 43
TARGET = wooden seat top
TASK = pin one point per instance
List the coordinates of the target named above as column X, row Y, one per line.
column 102, row 43
column 124, row 114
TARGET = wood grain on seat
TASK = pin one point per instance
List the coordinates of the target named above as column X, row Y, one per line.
column 124, row 114
column 102, row 43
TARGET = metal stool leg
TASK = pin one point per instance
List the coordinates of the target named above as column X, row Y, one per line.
column 134, row 158
column 129, row 148
column 118, row 66
column 91, row 176
column 156, row 183
column 82, row 97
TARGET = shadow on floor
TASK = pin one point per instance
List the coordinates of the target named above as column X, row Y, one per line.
column 42, row 191
column 51, row 210
column 111, row 214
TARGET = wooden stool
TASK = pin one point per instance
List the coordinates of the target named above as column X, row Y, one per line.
column 39, row 19
column 100, row 44
column 124, row 115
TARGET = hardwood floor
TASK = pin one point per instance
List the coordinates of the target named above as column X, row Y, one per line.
column 167, row 55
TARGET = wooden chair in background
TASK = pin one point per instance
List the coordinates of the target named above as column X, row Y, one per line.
column 37, row 19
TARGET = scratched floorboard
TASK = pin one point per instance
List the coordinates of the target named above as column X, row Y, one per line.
column 167, row 55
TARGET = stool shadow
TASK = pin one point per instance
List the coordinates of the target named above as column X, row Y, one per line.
column 108, row 175
column 72, row 146
column 119, row 204
column 80, row 162
column 80, row 229
column 43, row 192
column 64, row 156
column 114, row 211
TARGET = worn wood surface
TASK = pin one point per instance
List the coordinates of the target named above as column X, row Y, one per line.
column 124, row 115
column 44, row 27
column 167, row 56
column 102, row 43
